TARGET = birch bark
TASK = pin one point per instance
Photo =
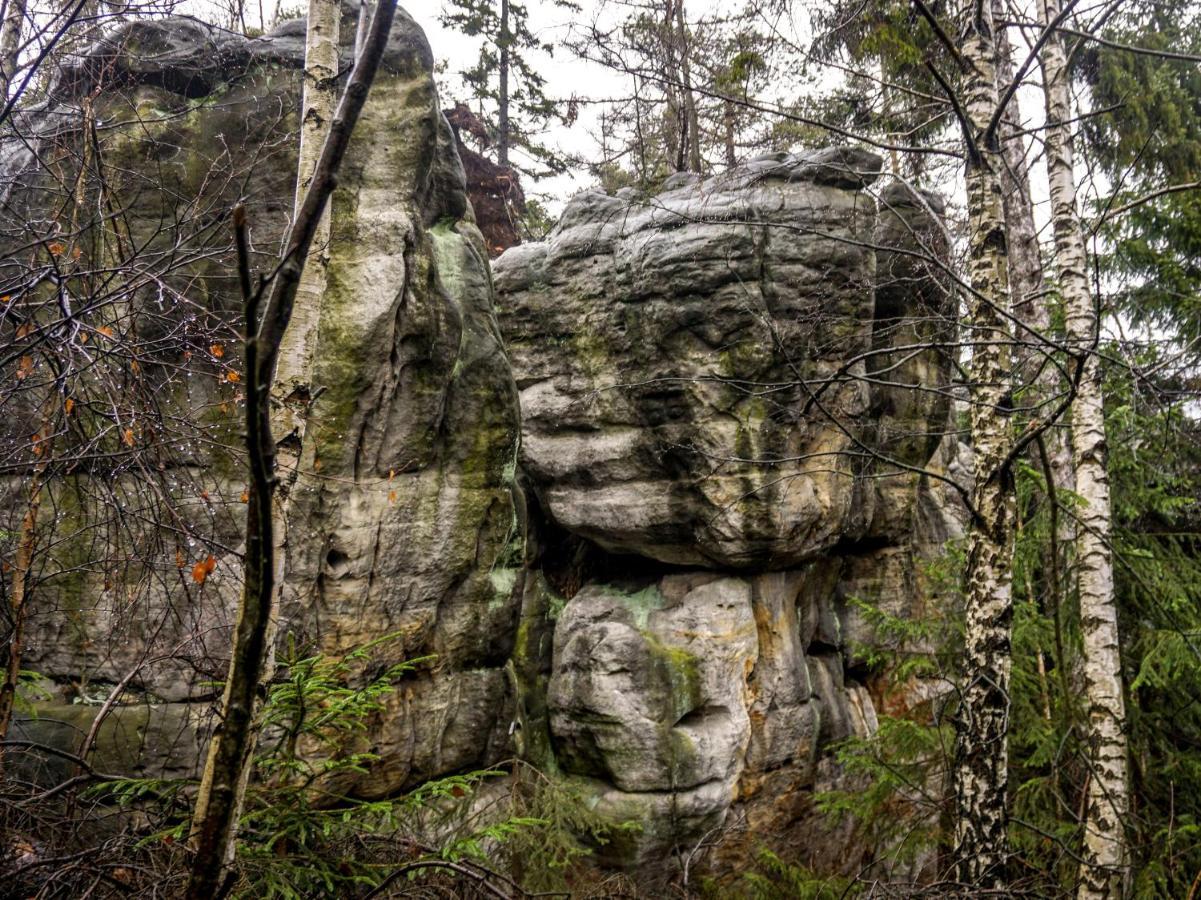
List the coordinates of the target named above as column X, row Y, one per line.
column 279, row 361
column 981, row 749
column 294, row 371
column 10, row 44
column 1108, row 801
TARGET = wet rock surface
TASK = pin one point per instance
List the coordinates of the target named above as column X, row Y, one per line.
column 729, row 391
column 403, row 522
column 731, row 401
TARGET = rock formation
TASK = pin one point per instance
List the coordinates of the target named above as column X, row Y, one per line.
column 721, row 389
column 403, row 522
column 724, row 421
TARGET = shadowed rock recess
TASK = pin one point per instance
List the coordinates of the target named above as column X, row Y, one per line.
column 716, row 401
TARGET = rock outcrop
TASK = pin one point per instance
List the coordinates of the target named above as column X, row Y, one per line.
column 729, row 391
column 404, row 524
column 733, row 426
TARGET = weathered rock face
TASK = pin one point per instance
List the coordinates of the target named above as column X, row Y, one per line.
column 404, row 522
column 721, row 387
column 666, row 352
column 725, row 390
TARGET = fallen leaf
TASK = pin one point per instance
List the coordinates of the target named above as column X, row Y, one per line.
column 68, row 405
column 199, row 573
column 56, row 249
column 233, row 377
column 245, row 496
column 24, row 368
column 210, row 563
column 179, row 559
column 391, row 496
column 127, row 437
column 25, row 330
column 105, row 330
column 83, row 337
column 217, row 350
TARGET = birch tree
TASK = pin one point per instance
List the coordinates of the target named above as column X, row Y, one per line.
column 228, row 764
column 1102, row 874
column 320, row 97
column 981, row 757
column 11, row 25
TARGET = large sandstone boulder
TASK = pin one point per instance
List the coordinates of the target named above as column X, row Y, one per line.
column 692, row 365
column 735, row 399
column 404, row 522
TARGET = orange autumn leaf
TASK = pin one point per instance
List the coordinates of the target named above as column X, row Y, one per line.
column 83, row 337
column 76, row 252
column 217, row 350
column 24, row 368
column 232, row 377
column 68, row 405
column 105, row 330
column 38, row 449
column 245, row 498
column 179, row 559
column 127, row 437
column 24, row 330
column 210, row 563
column 56, row 249
column 391, row 496
column 199, row 573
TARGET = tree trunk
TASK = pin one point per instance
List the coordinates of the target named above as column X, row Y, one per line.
column 1108, row 801
column 729, row 122
column 10, row 44
column 1025, row 263
column 295, row 369
column 676, row 135
column 502, row 114
column 692, row 122
column 981, row 749
column 22, row 564
column 228, row 765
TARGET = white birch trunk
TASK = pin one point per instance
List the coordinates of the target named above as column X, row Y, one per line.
column 1108, row 801
column 291, row 388
column 981, row 748
column 10, row 44
column 295, row 369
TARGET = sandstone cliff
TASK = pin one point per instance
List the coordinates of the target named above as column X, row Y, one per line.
column 720, row 448
column 404, row 523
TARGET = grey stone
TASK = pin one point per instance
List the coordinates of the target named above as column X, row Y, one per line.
column 405, row 522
